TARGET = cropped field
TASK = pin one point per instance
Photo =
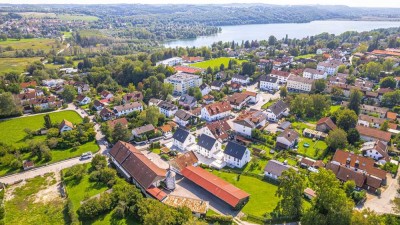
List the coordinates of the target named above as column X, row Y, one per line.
column 66, row 17
column 215, row 63
column 31, row 43
column 15, row 64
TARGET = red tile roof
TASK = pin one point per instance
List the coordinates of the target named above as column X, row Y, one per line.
column 28, row 84
column 280, row 73
column 391, row 115
column 374, row 133
column 215, row 185
column 328, row 121
column 156, row 193
column 218, row 107
column 122, row 121
column 187, row 69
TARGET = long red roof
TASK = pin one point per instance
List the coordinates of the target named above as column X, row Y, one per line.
column 215, row 185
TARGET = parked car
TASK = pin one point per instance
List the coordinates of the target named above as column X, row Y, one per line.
column 86, row 155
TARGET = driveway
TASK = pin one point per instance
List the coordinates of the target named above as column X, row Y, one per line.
column 383, row 203
column 264, row 96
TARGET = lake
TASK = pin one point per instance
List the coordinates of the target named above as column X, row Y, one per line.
column 241, row 33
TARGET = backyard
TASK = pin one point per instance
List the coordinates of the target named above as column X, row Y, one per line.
column 215, row 63
column 316, row 149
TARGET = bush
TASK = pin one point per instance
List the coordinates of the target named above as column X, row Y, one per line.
column 165, row 157
column 95, row 206
column 75, row 173
column 71, row 213
column 220, row 219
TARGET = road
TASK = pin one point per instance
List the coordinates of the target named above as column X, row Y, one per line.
column 57, row 167
column 264, row 96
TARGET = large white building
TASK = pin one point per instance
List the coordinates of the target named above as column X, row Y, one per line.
column 331, row 67
column 314, row 74
column 299, row 84
column 269, row 83
column 216, row 111
column 208, row 146
column 170, row 62
column 183, row 81
column 281, row 75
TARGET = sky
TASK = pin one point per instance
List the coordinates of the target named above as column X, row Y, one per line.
column 354, row 3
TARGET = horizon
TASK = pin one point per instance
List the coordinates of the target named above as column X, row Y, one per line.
column 358, row 4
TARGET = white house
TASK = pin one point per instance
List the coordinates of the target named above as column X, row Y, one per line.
column 123, row 110
column 330, row 67
column 238, row 100
column 281, row 75
column 166, row 108
column 208, row 146
column 287, row 139
column 53, row 82
column 370, row 121
column 187, row 101
column 205, row 89
column 170, row 62
column 140, row 131
column 217, row 85
column 98, row 105
column 274, row 169
column 376, row 150
column 314, row 74
column 373, row 134
column 277, row 111
column 65, row 125
column 83, row 100
column 182, row 139
column 106, row 95
column 269, row 83
column 249, row 120
column 216, row 111
column 243, row 80
column 299, row 84
column 236, row 155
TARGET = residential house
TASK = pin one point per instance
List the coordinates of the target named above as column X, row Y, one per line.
column 107, row 114
column 168, row 109
column 370, row 110
column 236, row 155
column 325, row 125
column 330, row 67
column 185, row 118
column 65, row 125
column 243, row 80
column 249, row 120
column 43, row 103
column 219, row 129
column 314, row 134
column 106, row 95
column 370, row 121
column 274, row 169
column 138, row 169
column 283, row 126
column 238, row 100
column 183, row 139
column 143, row 130
column 349, row 166
column 269, row 83
column 216, row 111
column 309, row 193
column 277, row 110
column 299, row 84
column 123, row 110
column 373, row 134
column 287, row 139
column 135, row 96
column 314, row 74
column 182, row 161
column 83, row 100
column 187, row 101
column 81, row 87
column 208, row 146
column 183, row 81
column 254, row 97
column 29, row 84
column 235, row 87
column 205, row 89
column 97, row 105
column 217, row 85
column 53, row 82
column 192, row 59
column 208, row 99
column 123, row 121
column 170, row 62
column 281, row 75
column 311, row 164
column 166, row 130
column 376, row 150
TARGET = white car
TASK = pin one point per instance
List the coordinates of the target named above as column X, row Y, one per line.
column 86, row 155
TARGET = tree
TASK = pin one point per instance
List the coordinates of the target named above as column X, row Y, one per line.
column 388, row 82
column 120, row 133
column 69, row 93
column 248, row 68
column 195, row 92
column 283, row 92
column 373, row 70
column 152, row 115
column 319, row 85
column 75, row 173
column 47, row 121
column 222, row 67
column 391, row 99
column 355, row 100
column 353, row 136
column 346, row 119
column 384, row 126
column 331, row 205
column 290, row 190
column 341, row 69
column 367, row 217
column 99, row 162
column 349, row 186
column 337, row 139
column 272, row 40
column 9, row 106
column 388, row 64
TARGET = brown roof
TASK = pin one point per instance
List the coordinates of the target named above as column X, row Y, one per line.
column 345, row 174
column 220, row 129
column 105, row 112
column 184, row 160
column 374, row 133
column 280, row 73
column 391, row 115
column 166, row 128
column 136, row 164
column 123, row 121
column 328, row 122
column 373, row 181
column 208, row 97
column 290, row 135
column 218, row 107
column 371, row 119
column 156, row 193
column 310, row 192
column 134, row 96
column 215, row 185
column 28, row 84
column 65, row 123
column 237, row 98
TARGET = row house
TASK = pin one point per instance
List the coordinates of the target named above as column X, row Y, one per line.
column 314, row 74
column 331, row 67
column 185, row 118
column 299, row 84
column 277, row 110
column 216, row 111
column 281, row 75
column 123, row 110
column 243, row 80
column 135, row 96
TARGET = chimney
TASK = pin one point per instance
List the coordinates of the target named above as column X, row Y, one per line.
column 357, row 164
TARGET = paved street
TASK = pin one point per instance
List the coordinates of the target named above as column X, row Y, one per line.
column 264, row 96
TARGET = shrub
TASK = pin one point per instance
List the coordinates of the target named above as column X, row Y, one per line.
column 95, row 206
column 165, row 157
column 220, row 219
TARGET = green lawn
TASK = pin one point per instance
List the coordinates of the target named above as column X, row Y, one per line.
column 316, row 150
column 215, row 63
column 268, row 104
column 23, row 209
column 305, row 56
column 31, row 43
column 262, row 194
column 334, row 108
column 15, row 64
column 86, row 18
column 12, row 131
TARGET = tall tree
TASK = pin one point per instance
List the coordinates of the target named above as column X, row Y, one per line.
column 355, row 100
column 331, row 205
column 319, row 85
column 346, row 119
column 283, row 92
column 388, row 82
column 290, row 190
column 373, row 69
column 47, row 121
column 337, row 139
column 9, row 106
column 68, row 93
column 120, row 133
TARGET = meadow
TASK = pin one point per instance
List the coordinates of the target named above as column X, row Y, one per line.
column 215, row 63
column 18, row 65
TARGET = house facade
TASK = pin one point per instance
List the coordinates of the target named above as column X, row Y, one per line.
column 208, row 146
column 216, row 111
column 299, row 84
column 183, row 81
column 269, row 83
column 182, row 139
column 236, row 155
column 123, row 110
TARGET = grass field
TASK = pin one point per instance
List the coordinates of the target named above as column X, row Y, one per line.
column 12, row 131
column 31, row 43
column 316, row 150
column 67, row 34
column 66, row 17
column 15, row 64
column 304, row 56
column 215, row 63
column 26, row 208
column 334, row 108
column 262, row 194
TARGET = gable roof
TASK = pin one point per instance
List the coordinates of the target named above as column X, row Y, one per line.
column 65, row 123
column 290, row 135
column 134, row 96
column 217, row 83
column 128, row 106
column 235, row 150
column 328, row 122
column 374, row 133
column 279, row 73
column 278, row 107
column 275, row 167
column 183, row 115
column 187, row 99
column 143, row 129
column 218, row 107
column 269, row 79
column 180, row 135
column 215, row 185
column 123, row 121
column 219, row 129
column 183, row 160
column 206, row 142
column 136, row 164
